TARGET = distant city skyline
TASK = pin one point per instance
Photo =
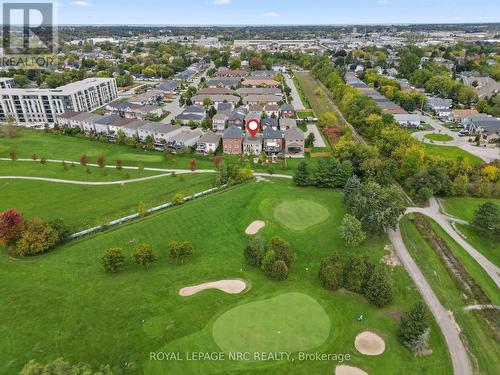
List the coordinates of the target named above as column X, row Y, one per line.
column 274, row 12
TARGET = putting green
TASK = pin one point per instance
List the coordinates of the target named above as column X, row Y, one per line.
column 300, row 214
column 289, row 322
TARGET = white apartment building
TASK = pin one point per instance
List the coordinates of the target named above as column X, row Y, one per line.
column 32, row 106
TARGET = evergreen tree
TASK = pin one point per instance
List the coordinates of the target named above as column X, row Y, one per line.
column 302, row 175
column 378, row 287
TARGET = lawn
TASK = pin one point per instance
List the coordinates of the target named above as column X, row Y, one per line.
column 61, row 147
column 451, row 152
column 439, row 137
column 83, row 206
column 476, row 331
column 83, row 314
column 305, row 114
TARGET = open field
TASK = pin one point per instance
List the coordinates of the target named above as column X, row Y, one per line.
column 478, row 334
column 83, row 314
column 439, row 137
column 82, row 206
column 450, row 152
column 319, row 103
column 464, row 207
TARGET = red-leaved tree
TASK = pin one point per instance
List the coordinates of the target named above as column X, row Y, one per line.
column 192, row 165
column 11, row 224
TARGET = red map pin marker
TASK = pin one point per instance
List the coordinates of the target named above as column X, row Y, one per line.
column 253, row 127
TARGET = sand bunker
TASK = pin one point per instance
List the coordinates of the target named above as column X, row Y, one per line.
column 234, row 286
column 349, row 370
column 369, row 343
column 255, row 226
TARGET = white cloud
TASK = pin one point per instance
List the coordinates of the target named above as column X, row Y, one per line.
column 81, row 3
column 270, row 14
column 382, row 1
column 221, row 2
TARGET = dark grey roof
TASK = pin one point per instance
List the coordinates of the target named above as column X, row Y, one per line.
column 224, row 107
column 210, row 137
column 269, row 121
column 236, row 115
column 270, row 133
column 489, row 126
column 195, row 109
column 294, row 133
column 232, row 132
column 287, row 107
column 158, row 127
column 106, row 120
column 168, row 86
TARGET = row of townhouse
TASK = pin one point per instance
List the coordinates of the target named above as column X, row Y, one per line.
column 131, row 110
column 163, row 135
column 273, row 116
column 288, row 142
column 33, row 106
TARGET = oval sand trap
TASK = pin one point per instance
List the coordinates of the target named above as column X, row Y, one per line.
column 349, row 370
column 369, row 343
column 233, row 286
column 255, row 226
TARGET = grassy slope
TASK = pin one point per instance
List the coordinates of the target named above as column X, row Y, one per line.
column 82, row 206
column 55, row 146
column 475, row 330
column 451, row 152
column 464, row 208
column 319, row 104
column 121, row 318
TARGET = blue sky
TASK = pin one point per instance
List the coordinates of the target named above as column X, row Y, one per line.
column 275, row 11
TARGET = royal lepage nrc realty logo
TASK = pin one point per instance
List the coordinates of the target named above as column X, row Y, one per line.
column 28, row 29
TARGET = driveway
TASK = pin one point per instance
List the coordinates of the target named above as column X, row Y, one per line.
column 174, row 108
column 318, row 139
column 297, row 103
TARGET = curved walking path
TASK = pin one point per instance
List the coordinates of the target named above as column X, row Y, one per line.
column 75, row 182
column 458, row 353
column 165, row 172
column 481, row 307
column 433, row 211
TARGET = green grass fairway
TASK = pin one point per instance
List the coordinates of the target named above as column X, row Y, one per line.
column 289, row 322
column 62, row 304
column 83, row 206
column 451, row 152
column 300, row 214
column 439, row 137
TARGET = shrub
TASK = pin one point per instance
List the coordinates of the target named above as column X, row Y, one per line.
column 351, row 231
column 378, row 288
column 113, row 260
column 34, row 156
column 278, row 270
column 254, row 252
column 84, row 160
column 13, row 155
column 101, row 162
column 119, row 164
column 141, row 209
column 63, row 231
column 414, row 327
column 11, row 224
column 192, row 165
column 177, row 199
column 60, row 366
column 143, row 255
column 37, row 237
column 180, row 251
column 330, row 272
column 355, row 272
column 281, row 249
column 43, row 160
